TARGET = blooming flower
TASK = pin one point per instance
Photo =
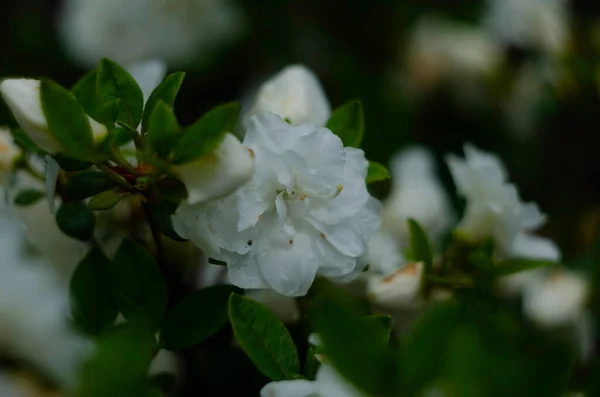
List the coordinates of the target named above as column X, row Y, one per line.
column 494, row 208
column 8, row 153
column 327, row 383
column 541, row 24
column 383, row 253
column 129, row 31
column 397, row 290
column 306, row 211
column 23, row 98
column 34, row 310
column 555, row 299
column 294, row 94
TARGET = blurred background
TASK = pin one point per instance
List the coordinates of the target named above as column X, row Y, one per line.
column 516, row 77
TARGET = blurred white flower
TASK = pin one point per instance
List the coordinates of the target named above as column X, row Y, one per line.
column 327, row 383
column 178, row 31
column 416, row 193
column 219, row 173
column 34, row 310
column 441, row 49
column 23, row 98
column 284, row 307
column 396, row 290
column 307, row 211
column 383, row 253
column 166, row 361
column 493, row 207
column 9, row 151
column 148, row 74
column 294, row 94
column 555, row 299
column 539, row 24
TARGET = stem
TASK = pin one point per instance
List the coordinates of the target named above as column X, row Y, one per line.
column 156, row 236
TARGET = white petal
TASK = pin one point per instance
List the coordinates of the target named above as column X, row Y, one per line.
column 244, row 272
column 289, row 388
column 398, row 289
column 535, row 247
column 282, row 306
column 217, row 174
column 52, row 171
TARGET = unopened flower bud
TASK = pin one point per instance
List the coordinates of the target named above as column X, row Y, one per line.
column 398, row 289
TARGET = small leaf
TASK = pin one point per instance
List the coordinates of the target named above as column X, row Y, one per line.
column 264, row 338
column 107, row 199
column 203, row 136
column 166, row 92
column 28, row 197
column 377, row 172
column 420, row 249
column 348, row 123
column 115, row 83
column 311, row 364
column 197, row 317
column 163, row 381
column 92, row 304
column 70, row 164
column 66, row 119
column 76, row 220
column 516, row 265
column 171, row 190
column 382, row 323
column 162, row 216
column 86, row 94
column 163, row 124
column 138, row 285
column 87, row 184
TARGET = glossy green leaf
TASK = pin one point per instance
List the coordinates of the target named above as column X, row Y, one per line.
column 28, row 197
column 204, row 136
column 92, row 304
column 264, row 338
column 348, row 122
column 67, row 120
column 107, row 199
column 87, row 184
column 516, row 265
column 166, row 92
column 382, row 323
column 86, row 94
column 161, row 213
column 197, row 317
column 76, row 220
column 420, row 248
column 377, row 172
column 115, row 83
column 138, row 285
column 71, row 164
column 163, row 124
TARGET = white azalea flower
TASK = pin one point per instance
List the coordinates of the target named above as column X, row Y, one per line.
column 416, row 193
column 178, row 31
column 307, row 211
column 9, row 151
column 541, row 24
column 327, row 383
column 397, row 290
column 555, row 299
column 219, row 173
column 23, row 98
column 442, row 49
column 383, row 253
column 294, row 94
column 34, row 307
column 494, row 208
column 284, row 307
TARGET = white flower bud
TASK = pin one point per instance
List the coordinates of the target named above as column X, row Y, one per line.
column 23, row 99
column 555, row 300
column 218, row 174
column 398, row 289
column 8, row 152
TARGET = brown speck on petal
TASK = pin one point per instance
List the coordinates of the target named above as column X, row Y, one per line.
column 410, row 270
column 323, row 236
column 291, row 242
column 259, row 217
column 251, row 152
column 302, row 197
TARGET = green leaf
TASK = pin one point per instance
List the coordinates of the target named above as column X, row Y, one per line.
column 382, row 323
column 166, row 92
column 120, row 364
column 355, row 346
column 516, row 265
column 348, row 122
column 163, row 124
column 163, row 381
column 420, row 249
column 115, row 83
column 162, row 216
column 197, row 317
column 377, row 172
column 23, row 140
column 67, row 120
column 171, row 190
column 28, row 197
column 87, row 95
column 138, row 285
column 76, row 220
column 311, row 364
column 203, row 136
column 107, row 199
column 87, row 184
column 264, row 338
column 70, row 164
column 92, row 304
